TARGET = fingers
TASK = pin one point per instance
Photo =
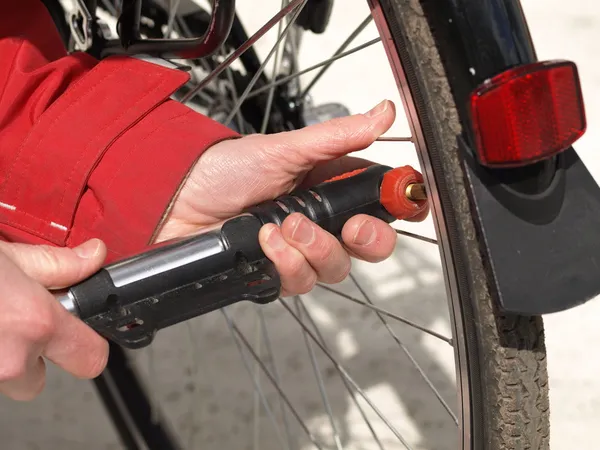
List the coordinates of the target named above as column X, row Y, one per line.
column 303, row 254
column 34, row 325
column 321, row 250
column 56, row 267
column 76, row 348
column 369, row 238
column 297, row 276
column 330, row 140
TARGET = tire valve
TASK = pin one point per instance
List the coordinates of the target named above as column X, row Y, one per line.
column 416, row 192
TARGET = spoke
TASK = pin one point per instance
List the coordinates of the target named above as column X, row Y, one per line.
column 386, row 313
column 393, row 139
column 256, row 409
column 174, row 6
column 207, row 98
column 271, row 354
column 349, row 388
column 244, row 47
column 320, row 383
column 191, row 413
column 347, row 376
column 154, row 393
column 290, row 51
column 340, row 50
column 311, row 68
column 234, row 328
column 238, row 116
column 416, row 236
column 265, row 122
column 261, row 69
column 110, row 8
column 405, row 350
column 235, row 333
column 196, row 365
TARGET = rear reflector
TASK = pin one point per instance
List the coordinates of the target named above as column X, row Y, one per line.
column 527, row 114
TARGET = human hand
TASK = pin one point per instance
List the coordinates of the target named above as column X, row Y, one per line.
column 236, row 174
column 33, row 324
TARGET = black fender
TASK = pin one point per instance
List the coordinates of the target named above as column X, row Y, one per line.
column 539, row 225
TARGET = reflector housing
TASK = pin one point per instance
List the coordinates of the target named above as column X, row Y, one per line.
column 527, row 114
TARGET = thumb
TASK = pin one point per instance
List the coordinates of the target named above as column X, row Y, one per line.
column 330, row 140
column 57, row 267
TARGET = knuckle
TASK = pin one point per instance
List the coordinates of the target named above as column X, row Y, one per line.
column 40, row 327
column 342, row 274
column 50, row 262
column 49, row 257
column 296, row 265
column 335, row 132
column 340, row 132
column 328, row 250
column 355, row 128
column 307, row 284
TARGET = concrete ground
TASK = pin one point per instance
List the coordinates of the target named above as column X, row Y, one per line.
column 197, row 372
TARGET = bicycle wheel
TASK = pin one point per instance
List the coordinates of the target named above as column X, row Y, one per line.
column 501, row 399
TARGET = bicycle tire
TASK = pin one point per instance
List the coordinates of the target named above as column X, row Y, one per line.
column 506, row 355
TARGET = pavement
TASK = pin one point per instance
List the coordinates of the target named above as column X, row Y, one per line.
column 195, row 369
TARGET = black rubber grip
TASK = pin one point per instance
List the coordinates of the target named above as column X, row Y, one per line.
column 91, row 296
column 332, row 203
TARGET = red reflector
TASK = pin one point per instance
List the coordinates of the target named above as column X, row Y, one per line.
column 527, row 114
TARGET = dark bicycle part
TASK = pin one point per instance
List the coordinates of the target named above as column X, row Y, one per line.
column 153, row 16
column 520, row 211
column 315, row 16
column 80, row 23
column 131, row 412
column 129, row 301
column 57, row 12
column 285, row 113
column 130, row 40
column 159, row 18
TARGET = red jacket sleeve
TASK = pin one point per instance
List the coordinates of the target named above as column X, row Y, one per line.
column 87, row 148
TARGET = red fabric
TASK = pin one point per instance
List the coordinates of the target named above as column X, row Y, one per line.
column 87, row 148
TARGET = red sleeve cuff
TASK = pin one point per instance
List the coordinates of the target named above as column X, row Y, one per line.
column 133, row 186
column 104, row 159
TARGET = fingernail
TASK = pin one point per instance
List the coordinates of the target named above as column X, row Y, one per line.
column 365, row 234
column 88, row 249
column 304, row 233
column 275, row 239
column 379, row 109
